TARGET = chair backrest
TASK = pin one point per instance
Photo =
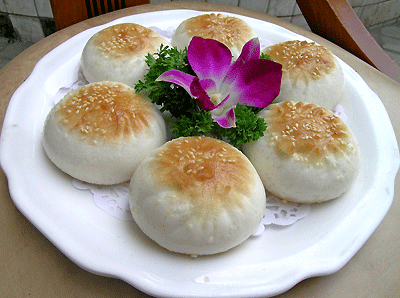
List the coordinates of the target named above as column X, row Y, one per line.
column 69, row 12
column 336, row 21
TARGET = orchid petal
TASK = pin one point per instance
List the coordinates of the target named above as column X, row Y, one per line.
column 177, row 77
column 204, row 90
column 226, row 120
column 250, row 51
column 222, row 107
column 208, row 85
column 257, row 83
column 202, row 98
column 209, row 59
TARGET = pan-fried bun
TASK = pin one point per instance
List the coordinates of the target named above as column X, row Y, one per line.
column 306, row 155
column 231, row 31
column 310, row 73
column 197, row 195
column 100, row 132
column 117, row 53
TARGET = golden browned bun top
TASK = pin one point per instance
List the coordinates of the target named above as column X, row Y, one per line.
column 206, row 171
column 104, row 111
column 228, row 30
column 302, row 60
column 127, row 39
column 306, row 131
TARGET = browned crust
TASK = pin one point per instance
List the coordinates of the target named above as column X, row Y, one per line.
column 231, row 31
column 127, row 39
column 104, row 112
column 206, row 172
column 307, row 131
column 302, row 60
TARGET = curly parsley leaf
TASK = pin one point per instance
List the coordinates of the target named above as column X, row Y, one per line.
column 197, row 124
column 265, row 56
column 249, row 127
column 170, row 97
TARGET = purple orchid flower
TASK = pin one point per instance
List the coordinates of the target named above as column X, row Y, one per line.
column 221, row 85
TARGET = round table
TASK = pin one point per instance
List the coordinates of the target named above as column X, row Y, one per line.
column 31, row 266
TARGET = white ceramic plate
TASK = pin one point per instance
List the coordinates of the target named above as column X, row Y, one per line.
column 270, row 264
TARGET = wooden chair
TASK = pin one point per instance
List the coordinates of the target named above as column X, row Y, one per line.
column 336, row 21
column 69, row 12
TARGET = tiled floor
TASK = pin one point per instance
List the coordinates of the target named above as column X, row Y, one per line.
column 9, row 50
column 388, row 37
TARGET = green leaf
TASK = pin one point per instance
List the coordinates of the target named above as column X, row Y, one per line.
column 265, row 56
column 198, row 124
column 249, row 127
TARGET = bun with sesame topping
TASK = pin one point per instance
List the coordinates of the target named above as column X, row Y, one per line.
column 231, row 31
column 197, row 195
column 306, row 155
column 310, row 73
column 100, row 132
column 117, row 53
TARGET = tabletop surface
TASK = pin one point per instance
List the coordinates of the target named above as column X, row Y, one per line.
column 32, row 266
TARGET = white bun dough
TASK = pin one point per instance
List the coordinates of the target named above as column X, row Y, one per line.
column 310, row 73
column 306, row 155
column 197, row 196
column 100, row 132
column 117, row 53
column 231, row 31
